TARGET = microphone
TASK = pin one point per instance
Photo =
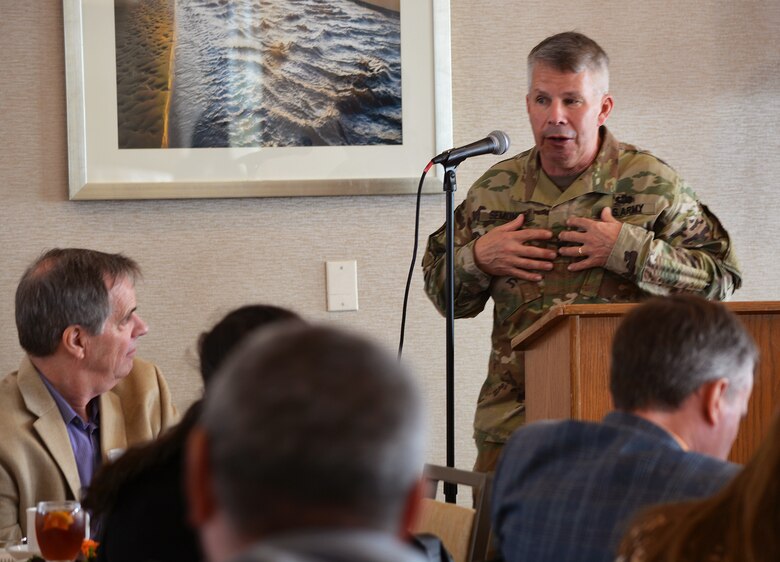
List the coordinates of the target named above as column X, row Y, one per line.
column 496, row 142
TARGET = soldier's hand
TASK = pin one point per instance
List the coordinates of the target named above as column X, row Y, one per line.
column 505, row 251
column 596, row 238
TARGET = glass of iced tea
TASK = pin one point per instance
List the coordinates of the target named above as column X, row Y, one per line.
column 60, row 528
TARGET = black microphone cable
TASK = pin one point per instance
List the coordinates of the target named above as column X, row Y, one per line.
column 414, row 258
column 496, row 142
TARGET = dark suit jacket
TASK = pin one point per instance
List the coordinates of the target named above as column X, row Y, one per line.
column 36, row 458
column 567, row 490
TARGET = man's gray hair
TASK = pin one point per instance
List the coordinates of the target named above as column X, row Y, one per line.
column 570, row 51
column 668, row 347
column 66, row 287
column 311, row 425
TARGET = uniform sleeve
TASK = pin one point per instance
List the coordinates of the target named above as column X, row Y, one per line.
column 471, row 283
column 688, row 251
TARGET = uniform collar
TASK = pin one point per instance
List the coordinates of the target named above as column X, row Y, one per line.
column 600, row 177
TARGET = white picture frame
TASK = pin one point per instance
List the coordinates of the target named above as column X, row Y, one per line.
column 98, row 169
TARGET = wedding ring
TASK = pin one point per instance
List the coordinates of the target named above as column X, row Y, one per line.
column 579, row 251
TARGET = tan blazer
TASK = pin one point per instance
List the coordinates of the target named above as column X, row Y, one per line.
column 36, row 458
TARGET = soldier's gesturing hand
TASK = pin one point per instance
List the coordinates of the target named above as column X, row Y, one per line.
column 505, row 251
column 596, row 238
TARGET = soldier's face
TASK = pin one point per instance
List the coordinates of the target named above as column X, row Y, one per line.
column 566, row 110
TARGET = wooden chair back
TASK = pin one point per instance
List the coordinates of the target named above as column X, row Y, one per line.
column 464, row 531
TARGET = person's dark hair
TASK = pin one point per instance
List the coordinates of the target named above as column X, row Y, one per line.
column 217, row 343
column 738, row 523
column 65, row 287
column 668, row 347
column 312, row 426
column 570, row 51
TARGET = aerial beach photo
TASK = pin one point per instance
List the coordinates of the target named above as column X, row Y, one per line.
column 258, row 73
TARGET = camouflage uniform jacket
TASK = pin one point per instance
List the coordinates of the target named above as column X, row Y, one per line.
column 669, row 243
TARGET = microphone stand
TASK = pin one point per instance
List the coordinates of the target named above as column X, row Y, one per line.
column 450, row 186
column 496, row 142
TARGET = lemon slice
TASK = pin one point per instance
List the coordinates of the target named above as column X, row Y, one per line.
column 57, row 520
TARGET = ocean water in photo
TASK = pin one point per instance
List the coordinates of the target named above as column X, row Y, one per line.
column 284, row 73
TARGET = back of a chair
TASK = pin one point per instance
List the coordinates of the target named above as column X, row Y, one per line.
column 464, row 531
column 452, row 523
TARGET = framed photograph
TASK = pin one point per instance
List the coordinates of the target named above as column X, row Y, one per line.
column 247, row 98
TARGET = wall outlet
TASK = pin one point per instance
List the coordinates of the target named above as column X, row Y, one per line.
column 341, row 282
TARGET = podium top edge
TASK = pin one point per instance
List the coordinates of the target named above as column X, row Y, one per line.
column 559, row 312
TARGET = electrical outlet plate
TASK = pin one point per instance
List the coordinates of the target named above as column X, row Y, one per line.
column 341, row 281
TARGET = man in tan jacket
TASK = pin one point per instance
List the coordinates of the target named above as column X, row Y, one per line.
column 80, row 392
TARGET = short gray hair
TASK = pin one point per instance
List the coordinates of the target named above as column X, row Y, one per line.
column 307, row 422
column 668, row 347
column 65, row 287
column 570, row 51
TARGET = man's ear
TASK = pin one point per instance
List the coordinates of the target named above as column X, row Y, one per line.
column 712, row 394
column 607, row 103
column 198, row 482
column 74, row 341
column 412, row 508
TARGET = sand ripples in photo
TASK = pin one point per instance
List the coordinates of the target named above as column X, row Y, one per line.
column 276, row 73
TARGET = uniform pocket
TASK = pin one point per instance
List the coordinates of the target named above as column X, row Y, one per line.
column 512, row 295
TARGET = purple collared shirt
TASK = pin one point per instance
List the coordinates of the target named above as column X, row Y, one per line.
column 84, row 436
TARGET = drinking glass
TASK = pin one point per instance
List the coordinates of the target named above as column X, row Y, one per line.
column 60, row 527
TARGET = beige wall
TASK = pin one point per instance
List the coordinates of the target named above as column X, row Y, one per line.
column 695, row 81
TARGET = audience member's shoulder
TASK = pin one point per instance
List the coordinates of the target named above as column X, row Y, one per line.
column 143, row 368
column 542, row 444
column 143, row 372
column 10, row 397
column 10, row 393
column 144, row 375
column 550, row 432
column 719, row 469
column 628, row 435
column 8, row 381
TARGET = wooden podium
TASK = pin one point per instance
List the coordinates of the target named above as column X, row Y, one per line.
column 567, row 356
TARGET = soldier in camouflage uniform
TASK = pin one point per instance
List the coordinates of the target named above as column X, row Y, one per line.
column 580, row 218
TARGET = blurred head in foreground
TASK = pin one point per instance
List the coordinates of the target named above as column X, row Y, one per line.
column 305, row 428
column 146, row 481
